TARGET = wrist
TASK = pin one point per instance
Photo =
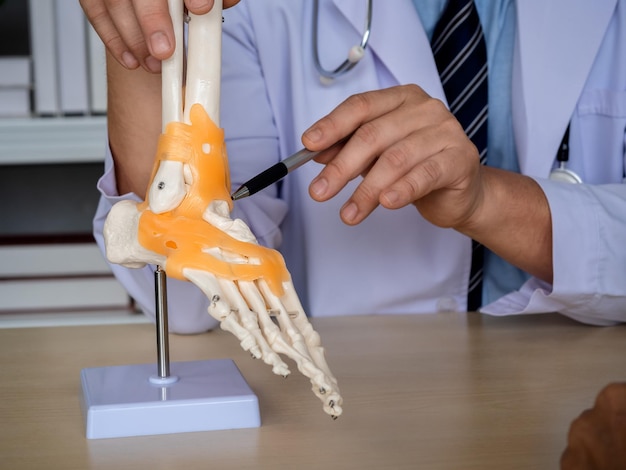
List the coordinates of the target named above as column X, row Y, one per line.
column 476, row 216
column 512, row 219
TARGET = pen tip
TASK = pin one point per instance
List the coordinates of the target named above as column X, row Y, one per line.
column 240, row 193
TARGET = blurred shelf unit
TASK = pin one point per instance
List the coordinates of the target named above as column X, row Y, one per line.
column 52, row 85
column 15, row 85
column 52, row 147
column 61, row 277
column 52, row 140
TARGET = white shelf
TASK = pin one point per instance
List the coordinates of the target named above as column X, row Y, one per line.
column 62, row 294
column 74, row 318
column 57, row 277
column 52, row 140
column 65, row 259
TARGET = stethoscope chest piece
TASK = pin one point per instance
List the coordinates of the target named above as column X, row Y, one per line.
column 561, row 173
column 564, row 175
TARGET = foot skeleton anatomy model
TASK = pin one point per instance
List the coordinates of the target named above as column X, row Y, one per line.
column 184, row 224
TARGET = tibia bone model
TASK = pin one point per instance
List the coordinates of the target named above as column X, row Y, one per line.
column 184, row 224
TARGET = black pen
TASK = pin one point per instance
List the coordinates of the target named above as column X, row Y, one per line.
column 278, row 171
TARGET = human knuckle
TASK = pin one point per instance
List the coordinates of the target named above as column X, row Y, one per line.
column 137, row 44
column 366, row 193
column 114, row 43
column 396, row 157
column 114, row 4
column 329, row 123
column 431, row 171
column 413, row 93
column 368, row 133
column 153, row 16
column 97, row 16
column 411, row 186
column 338, row 170
column 360, row 102
column 412, row 88
column 436, row 107
column 449, row 123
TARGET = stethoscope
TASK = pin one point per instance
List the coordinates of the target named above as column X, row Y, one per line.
column 355, row 54
column 562, row 173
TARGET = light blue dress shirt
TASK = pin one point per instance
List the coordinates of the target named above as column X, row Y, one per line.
column 497, row 18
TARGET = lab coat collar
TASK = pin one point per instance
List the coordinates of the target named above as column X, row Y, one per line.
column 555, row 49
column 396, row 41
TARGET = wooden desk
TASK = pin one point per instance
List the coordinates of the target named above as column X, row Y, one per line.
column 444, row 391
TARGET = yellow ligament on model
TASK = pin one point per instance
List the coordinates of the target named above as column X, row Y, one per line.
column 181, row 235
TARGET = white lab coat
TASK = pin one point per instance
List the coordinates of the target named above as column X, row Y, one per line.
column 570, row 59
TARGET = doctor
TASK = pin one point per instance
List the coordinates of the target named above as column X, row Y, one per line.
column 551, row 63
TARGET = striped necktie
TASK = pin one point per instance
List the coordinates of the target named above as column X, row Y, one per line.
column 460, row 53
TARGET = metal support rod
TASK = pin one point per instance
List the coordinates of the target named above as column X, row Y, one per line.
column 160, row 289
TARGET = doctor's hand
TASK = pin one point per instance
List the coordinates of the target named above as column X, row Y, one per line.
column 139, row 32
column 410, row 150
column 597, row 438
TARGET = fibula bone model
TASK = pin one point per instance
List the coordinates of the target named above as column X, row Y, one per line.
column 184, row 224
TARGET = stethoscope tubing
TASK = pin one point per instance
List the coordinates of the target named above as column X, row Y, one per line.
column 352, row 59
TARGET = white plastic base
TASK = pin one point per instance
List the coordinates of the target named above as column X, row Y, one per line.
column 123, row 401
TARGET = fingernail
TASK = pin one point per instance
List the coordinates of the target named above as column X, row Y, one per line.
column 349, row 212
column 313, row 134
column 391, row 197
column 154, row 65
column 319, row 187
column 193, row 4
column 129, row 60
column 159, row 43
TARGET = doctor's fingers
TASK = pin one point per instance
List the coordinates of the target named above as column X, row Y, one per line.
column 156, row 22
column 123, row 31
column 384, row 123
column 359, row 109
column 410, row 170
column 356, row 157
column 138, row 32
column 118, row 29
column 391, row 166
